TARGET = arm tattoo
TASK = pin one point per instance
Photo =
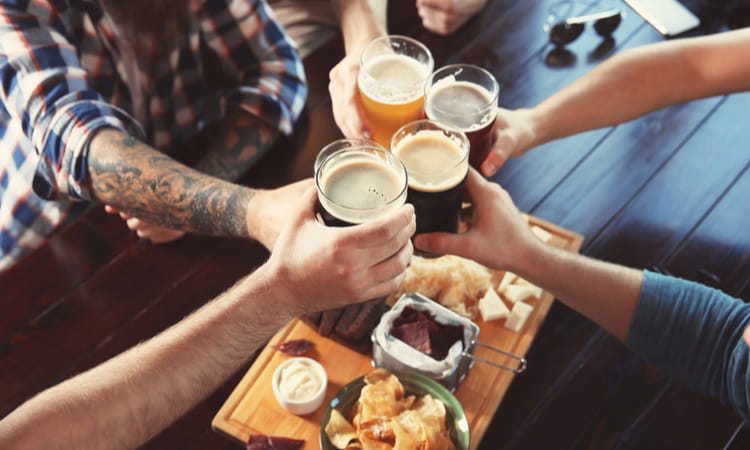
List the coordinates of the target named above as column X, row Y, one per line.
column 147, row 184
column 233, row 145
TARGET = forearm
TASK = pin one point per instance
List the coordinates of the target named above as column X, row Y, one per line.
column 358, row 24
column 644, row 79
column 130, row 398
column 233, row 145
column 605, row 293
column 145, row 183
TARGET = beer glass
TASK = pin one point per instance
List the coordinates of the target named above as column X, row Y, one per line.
column 358, row 182
column 342, row 144
column 392, row 73
column 465, row 96
column 436, row 159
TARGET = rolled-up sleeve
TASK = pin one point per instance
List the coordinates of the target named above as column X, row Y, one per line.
column 255, row 52
column 694, row 334
column 47, row 92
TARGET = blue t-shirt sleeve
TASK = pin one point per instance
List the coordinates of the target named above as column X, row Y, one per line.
column 694, row 334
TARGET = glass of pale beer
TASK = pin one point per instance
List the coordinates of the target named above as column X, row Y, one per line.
column 436, row 159
column 465, row 96
column 392, row 75
column 358, row 181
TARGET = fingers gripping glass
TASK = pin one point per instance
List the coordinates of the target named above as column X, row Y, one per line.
column 564, row 30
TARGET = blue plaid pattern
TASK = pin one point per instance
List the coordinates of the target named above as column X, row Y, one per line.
column 61, row 80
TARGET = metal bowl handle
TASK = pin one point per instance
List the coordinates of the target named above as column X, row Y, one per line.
column 521, row 360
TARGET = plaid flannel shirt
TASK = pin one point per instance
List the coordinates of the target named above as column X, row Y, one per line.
column 61, row 78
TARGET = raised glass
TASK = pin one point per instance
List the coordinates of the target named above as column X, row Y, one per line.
column 392, row 75
column 465, row 96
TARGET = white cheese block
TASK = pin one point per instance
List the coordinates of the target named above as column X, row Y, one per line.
column 518, row 316
column 492, row 307
column 541, row 233
column 536, row 291
column 515, row 293
column 507, row 279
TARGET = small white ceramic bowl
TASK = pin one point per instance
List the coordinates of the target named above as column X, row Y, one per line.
column 311, row 403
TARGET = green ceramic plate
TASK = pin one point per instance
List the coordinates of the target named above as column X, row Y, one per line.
column 413, row 383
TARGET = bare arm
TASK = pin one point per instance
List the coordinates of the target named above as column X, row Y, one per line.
column 143, row 182
column 127, row 400
column 359, row 26
column 501, row 239
column 645, row 79
column 359, row 23
column 628, row 85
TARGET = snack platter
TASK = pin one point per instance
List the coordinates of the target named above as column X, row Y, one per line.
column 252, row 408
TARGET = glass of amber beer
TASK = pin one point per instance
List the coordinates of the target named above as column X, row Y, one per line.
column 392, row 74
column 436, row 159
column 358, row 182
column 465, row 96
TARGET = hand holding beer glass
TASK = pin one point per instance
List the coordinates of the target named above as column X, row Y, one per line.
column 358, row 181
column 465, row 96
column 392, row 74
column 436, row 159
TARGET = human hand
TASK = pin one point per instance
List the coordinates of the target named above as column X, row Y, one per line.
column 319, row 268
column 154, row 233
column 446, row 16
column 270, row 209
column 347, row 108
column 498, row 237
column 514, row 135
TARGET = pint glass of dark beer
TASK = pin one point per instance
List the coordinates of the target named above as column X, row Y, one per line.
column 358, row 181
column 436, row 158
column 465, row 96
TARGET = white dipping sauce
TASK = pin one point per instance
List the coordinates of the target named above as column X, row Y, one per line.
column 298, row 381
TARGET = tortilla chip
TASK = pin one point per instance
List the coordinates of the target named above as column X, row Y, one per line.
column 339, row 431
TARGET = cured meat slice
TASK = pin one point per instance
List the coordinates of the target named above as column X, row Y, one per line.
column 294, row 347
column 264, row 442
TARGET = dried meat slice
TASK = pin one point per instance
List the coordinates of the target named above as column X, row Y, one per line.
column 265, row 442
column 294, row 347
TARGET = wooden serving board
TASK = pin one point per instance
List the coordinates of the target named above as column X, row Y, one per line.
column 252, row 408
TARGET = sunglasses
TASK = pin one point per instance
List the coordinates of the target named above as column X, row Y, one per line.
column 566, row 31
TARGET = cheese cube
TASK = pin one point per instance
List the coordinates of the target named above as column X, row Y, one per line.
column 536, row 291
column 492, row 307
column 515, row 293
column 541, row 233
column 518, row 316
column 507, row 279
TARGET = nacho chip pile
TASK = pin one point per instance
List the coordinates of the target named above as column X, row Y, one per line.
column 384, row 418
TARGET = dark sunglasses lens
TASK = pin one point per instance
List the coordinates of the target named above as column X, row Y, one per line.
column 563, row 33
column 607, row 25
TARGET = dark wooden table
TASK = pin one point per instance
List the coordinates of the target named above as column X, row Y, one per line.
column 669, row 189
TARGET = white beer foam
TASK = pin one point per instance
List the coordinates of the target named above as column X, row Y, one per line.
column 393, row 79
column 361, row 188
column 435, row 162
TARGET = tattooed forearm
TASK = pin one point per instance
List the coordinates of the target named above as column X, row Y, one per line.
column 233, row 145
column 145, row 183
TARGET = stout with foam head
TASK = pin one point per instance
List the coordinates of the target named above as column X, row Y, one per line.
column 436, row 159
column 359, row 184
column 465, row 96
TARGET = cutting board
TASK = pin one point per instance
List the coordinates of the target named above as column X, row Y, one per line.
column 252, row 408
